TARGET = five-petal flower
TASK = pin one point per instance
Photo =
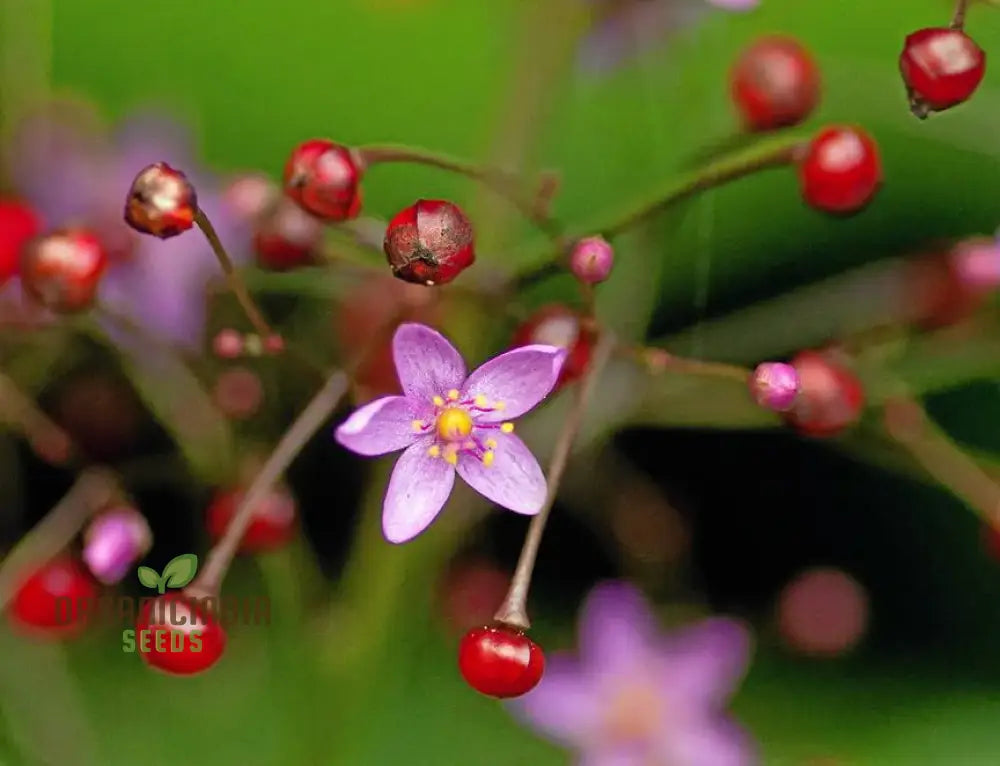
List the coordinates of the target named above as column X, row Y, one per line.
column 447, row 421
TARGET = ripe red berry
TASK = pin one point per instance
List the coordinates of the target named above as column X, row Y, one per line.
column 273, row 523
column 178, row 634
column 61, row 270
column 841, row 170
column 287, row 237
column 775, row 83
column 323, row 177
column 830, row 396
column 54, row 599
column 429, row 243
column 500, row 661
column 161, row 202
column 18, row 224
column 559, row 326
column 941, row 68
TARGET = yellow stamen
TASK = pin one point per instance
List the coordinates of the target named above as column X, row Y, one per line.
column 480, row 400
column 491, row 443
column 454, row 424
column 451, row 456
column 438, row 401
column 507, row 428
column 488, row 458
column 434, row 451
column 499, row 405
column 418, row 425
column 453, row 394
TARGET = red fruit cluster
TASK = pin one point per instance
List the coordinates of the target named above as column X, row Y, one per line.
column 941, row 68
column 830, row 397
column 272, row 527
column 175, row 634
column 559, row 326
column 61, row 270
column 324, row 178
column 775, row 83
column 500, row 661
column 52, row 599
column 841, row 170
column 429, row 243
column 19, row 223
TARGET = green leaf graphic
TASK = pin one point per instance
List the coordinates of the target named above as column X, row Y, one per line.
column 180, row 570
column 149, row 577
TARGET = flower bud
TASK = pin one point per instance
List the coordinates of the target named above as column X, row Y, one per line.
column 114, row 541
column 161, row 202
column 591, row 260
column 774, row 386
column 429, row 243
column 61, row 270
column 324, row 177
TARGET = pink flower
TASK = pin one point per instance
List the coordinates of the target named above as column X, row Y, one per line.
column 635, row 696
column 448, row 421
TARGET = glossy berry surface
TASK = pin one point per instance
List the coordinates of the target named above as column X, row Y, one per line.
column 62, row 270
column 429, row 243
column 557, row 325
column 287, row 237
column 18, row 224
column 841, row 170
column 830, row 397
column 273, row 523
column 54, row 599
column 774, row 83
column 941, row 68
column 161, row 202
column 500, row 661
column 175, row 634
column 324, row 177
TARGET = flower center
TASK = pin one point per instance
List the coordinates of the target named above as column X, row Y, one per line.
column 635, row 714
column 454, row 424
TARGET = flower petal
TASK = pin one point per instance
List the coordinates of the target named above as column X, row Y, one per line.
column 519, row 378
column 384, row 425
column 564, row 707
column 617, row 629
column 417, row 491
column 704, row 663
column 427, row 364
column 514, row 480
column 714, row 742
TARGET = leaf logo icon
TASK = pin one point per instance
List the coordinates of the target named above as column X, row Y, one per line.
column 178, row 572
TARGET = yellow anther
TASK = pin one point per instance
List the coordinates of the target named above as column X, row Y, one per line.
column 453, row 394
column 507, row 428
column 454, row 424
column 491, row 443
column 451, row 456
column 488, row 458
column 438, row 401
column 480, row 400
column 434, row 451
column 499, row 405
column 418, row 425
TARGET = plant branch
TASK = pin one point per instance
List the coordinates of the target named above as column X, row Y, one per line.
column 958, row 18
column 513, row 611
column 47, row 437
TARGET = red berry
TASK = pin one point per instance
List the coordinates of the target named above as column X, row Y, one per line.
column 54, row 598
column 161, row 202
column 18, row 224
column 61, row 270
column 559, row 326
column 940, row 287
column 775, row 83
column 841, row 170
column 273, row 523
column 323, row 177
column 500, row 661
column 178, row 634
column 429, row 243
column 941, row 68
column 830, row 396
column 287, row 237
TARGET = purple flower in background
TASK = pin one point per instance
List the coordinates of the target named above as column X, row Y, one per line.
column 638, row 697
column 74, row 172
column 448, row 421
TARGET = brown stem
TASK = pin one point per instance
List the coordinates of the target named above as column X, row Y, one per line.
column 958, row 18
column 94, row 489
column 514, row 611
column 48, row 439
column 505, row 184
column 236, row 283
column 657, row 360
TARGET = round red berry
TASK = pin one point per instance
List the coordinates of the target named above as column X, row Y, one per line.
column 62, row 270
column 775, row 83
column 557, row 325
column 272, row 526
column 941, row 68
column 429, row 243
column 18, row 224
column 500, row 661
column 55, row 599
column 287, row 237
column 161, row 202
column 841, row 170
column 179, row 634
column 324, row 177
column 830, row 396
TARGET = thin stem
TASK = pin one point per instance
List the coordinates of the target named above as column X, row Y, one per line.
column 657, row 361
column 505, row 184
column 236, row 283
column 48, row 439
column 93, row 490
column 514, row 611
column 294, row 440
column 958, row 18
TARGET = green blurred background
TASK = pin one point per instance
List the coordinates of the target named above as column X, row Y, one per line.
column 497, row 80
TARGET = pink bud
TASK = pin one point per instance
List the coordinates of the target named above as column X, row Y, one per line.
column 228, row 344
column 591, row 260
column 774, row 386
column 977, row 264
column 114, row 541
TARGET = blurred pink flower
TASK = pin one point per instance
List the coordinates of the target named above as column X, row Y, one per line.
column 636, row 696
